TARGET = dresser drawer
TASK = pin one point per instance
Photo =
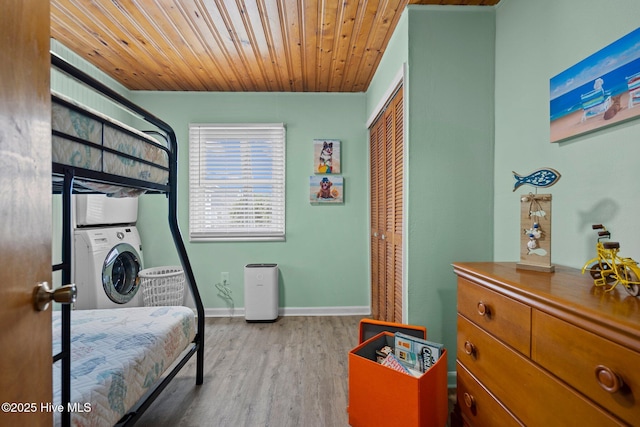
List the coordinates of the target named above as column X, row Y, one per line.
column 505, row 318
column 478, row 406
column 573, row 354
column 531, row 394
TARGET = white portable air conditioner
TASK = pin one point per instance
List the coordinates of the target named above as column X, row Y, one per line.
column 261, row 292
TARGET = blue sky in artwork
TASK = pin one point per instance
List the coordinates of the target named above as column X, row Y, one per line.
column 617, row 54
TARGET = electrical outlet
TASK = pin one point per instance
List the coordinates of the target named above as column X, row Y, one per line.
column 224, row 277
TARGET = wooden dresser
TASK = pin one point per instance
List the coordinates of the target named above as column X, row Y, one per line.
column 545, row 349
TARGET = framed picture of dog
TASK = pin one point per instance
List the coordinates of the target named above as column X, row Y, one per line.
column 326, row 189
column 326, row 153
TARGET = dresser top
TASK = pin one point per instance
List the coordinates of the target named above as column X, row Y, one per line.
column 565, row 293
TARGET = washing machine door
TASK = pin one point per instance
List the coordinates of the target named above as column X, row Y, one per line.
column 120, row 273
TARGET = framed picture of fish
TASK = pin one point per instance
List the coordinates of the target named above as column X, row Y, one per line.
column 597, row 92
column 326, row 189
column 326, row 154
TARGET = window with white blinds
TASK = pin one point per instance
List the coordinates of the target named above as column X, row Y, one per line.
column 236, row 181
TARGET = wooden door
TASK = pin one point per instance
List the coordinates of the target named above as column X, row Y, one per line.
column 25, row 212
column 386, row 141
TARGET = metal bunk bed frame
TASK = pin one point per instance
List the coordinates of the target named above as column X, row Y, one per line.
column 70, row 173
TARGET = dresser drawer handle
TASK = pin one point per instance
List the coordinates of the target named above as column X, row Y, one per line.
column 608, row 380
column 483, row 309
column 469, row 348
column 469, row 401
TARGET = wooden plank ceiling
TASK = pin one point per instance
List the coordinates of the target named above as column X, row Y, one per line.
column 233, row 45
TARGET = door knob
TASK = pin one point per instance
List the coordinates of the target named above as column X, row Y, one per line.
column 43, row 295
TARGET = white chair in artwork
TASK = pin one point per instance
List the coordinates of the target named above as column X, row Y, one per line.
column 633, row 86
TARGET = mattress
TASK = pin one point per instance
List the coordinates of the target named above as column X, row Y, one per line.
column 117, row 355
column 87, row 139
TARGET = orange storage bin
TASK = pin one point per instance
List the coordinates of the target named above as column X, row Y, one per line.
column 379, row 395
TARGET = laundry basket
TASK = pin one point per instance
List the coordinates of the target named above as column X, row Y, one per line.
column 162, row 286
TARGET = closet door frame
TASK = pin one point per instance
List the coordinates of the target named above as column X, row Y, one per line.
column 399, row 81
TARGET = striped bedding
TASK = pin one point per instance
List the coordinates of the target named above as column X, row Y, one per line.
column 117, row 354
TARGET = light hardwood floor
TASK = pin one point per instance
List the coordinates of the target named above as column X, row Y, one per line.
column 293, row 372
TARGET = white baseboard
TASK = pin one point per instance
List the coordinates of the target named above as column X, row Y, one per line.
column 295, row 311
column 326, row 311
column 223, row 312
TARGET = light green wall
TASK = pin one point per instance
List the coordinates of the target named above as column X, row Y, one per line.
column 324, row 260
column 395, row 57
column 449, row 53
column 535, row 41
column 451, row 158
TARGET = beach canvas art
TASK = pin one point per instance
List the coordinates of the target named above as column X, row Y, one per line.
column 326, row 154
column 602, row 90
column 326, row 189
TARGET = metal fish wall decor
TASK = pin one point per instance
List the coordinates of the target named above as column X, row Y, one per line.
column 544, row 177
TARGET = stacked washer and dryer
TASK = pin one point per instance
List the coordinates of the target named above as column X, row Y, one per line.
column 107, row 252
